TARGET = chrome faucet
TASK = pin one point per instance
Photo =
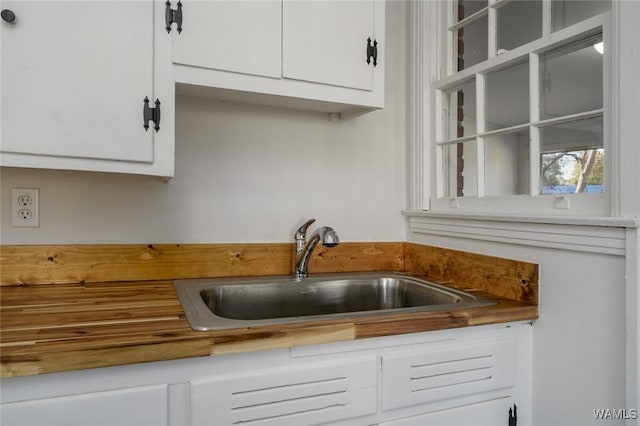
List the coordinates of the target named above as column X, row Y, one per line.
column 304, row 248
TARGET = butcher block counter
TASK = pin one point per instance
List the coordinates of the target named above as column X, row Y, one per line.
column 69, row 308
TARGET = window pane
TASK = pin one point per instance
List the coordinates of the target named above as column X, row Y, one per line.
column 569, row 12
column 507, row 97
column 571, row 79
column 461, row 120
column 467, row 8
column 572, row 157
column 460, row 169
column 519, row 22
column 472, row 43
column 507, row 164
column 571, row 136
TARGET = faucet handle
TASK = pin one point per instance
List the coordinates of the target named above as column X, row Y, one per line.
column 301, row 233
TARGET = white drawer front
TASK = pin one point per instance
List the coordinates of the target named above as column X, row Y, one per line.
column 440, row 374
column 485, row 413
column 307, row 394
column 135, row 406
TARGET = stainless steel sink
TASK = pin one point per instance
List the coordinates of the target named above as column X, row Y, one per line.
column 216, row 304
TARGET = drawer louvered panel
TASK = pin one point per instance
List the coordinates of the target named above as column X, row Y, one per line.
column 436, row 375
column 307, row 394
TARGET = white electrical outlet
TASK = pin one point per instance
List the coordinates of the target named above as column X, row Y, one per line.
column 24, row 207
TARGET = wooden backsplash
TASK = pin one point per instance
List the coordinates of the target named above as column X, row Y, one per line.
column 511, row 279
column 59, row 264
column 54, row 264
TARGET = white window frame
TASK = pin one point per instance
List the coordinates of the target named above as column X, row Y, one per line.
column 617, row 233
column 430, row 74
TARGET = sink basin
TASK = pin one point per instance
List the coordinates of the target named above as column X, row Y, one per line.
column 216, row 304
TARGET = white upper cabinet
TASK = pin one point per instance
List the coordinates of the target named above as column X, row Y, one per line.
column 236, row 36
column 326, row 42
column 74, row 76
column 311, row 55
column 58, row 69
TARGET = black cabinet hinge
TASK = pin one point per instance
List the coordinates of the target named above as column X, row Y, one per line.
column 513, row 416
column 151, row 114
column 173, row 15
column 372, row 51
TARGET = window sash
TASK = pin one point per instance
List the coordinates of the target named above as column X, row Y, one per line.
column 531, row 52
column 545, row 44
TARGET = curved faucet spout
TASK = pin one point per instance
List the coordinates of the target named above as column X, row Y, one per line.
column 325, row 234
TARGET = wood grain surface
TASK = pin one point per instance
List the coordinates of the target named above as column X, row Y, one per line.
column 67, row 308
column 49, row 329
column 507, row 278
column 63, row 264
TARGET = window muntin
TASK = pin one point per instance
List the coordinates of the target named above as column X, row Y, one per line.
column 495, row 124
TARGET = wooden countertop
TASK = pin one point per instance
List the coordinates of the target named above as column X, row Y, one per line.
column 71, row 307
column 63, row 327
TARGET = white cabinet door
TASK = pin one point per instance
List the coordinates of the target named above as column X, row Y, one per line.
column 326, row 42
column 295, row 395
column 74, row 76
column 447, row 373
column 236, row 36
column 486, row 413
column 301, row 54
column 137, row 406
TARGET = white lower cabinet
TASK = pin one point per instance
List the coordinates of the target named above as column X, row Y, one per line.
column 469, row 376
column 120, row 407
column 434, row 375
column 474, row 379
column 487, row 413
column 307, row 394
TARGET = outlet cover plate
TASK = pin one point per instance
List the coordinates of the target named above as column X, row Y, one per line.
column 25, row 207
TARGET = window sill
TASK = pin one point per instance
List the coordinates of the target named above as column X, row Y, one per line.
column 605, row 235
column 616, row 222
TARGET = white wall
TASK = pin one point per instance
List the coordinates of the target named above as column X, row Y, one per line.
column 579, row 339
column 243, row 174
